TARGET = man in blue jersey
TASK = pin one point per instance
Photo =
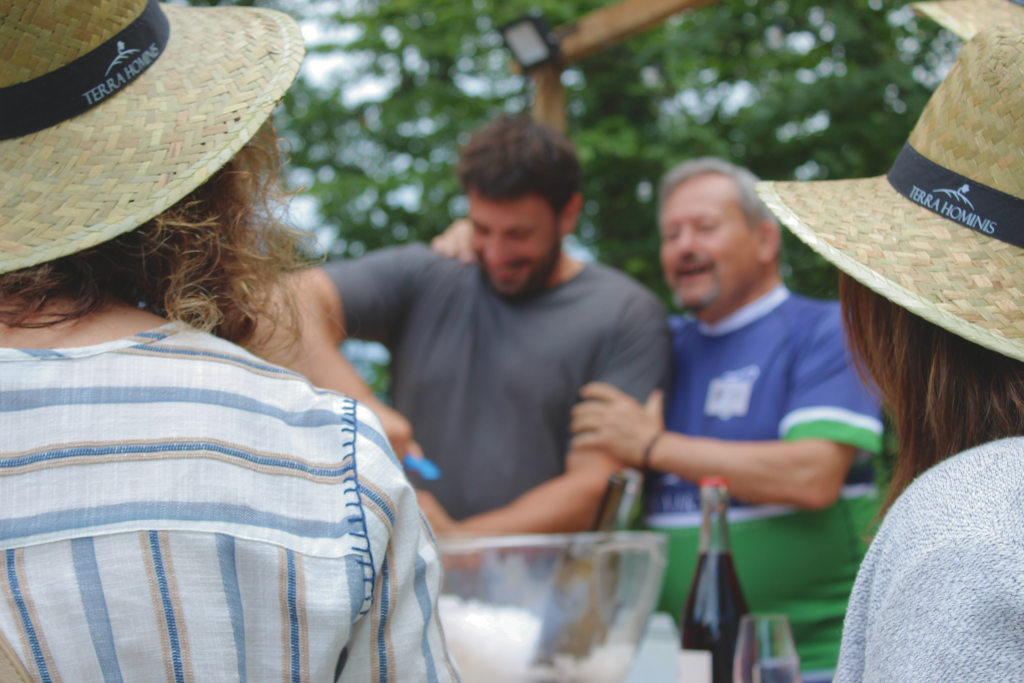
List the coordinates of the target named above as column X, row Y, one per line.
column 762, row 393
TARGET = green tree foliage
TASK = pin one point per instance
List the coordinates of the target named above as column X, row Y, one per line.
column 792, row 89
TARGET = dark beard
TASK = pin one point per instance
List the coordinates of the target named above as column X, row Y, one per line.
column 536, row 283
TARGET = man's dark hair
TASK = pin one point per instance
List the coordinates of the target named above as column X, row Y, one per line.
column 513, row 157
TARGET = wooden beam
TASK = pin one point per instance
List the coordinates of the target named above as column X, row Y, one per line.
column 603, row 27
column 549, row 96
column 592, row 33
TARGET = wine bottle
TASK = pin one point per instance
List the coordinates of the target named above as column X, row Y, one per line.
column 711, row 617
column 571, row 625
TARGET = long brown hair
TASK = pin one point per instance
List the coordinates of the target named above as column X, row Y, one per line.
column 944, row 393
column 213, row 261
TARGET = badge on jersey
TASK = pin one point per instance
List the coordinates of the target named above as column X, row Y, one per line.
column 729, row 395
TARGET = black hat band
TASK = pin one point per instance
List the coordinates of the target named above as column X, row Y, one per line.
column 959, row 199
column 76, row 87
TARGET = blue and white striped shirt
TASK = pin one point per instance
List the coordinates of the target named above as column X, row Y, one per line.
column 173, row 508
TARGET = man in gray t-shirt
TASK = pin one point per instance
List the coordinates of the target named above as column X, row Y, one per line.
column 489, row 384
column 488, row 358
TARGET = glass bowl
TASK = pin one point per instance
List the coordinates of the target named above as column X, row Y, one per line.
column 563, row 608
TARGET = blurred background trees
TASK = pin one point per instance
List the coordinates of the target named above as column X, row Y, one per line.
column 792, row 89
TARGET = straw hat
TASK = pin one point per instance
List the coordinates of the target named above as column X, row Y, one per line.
column 115, row 151
column 962, row 166
column 967, row 17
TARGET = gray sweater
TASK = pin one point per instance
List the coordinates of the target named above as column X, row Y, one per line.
column 940, row 595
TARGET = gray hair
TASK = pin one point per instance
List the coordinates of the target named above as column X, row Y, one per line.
column 751, row 205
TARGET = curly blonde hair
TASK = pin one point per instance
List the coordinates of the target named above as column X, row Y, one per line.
column 214, row 261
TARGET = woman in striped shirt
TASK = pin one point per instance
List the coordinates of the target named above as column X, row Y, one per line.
column 172, row 507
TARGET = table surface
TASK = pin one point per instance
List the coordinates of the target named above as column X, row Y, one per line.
column 656, row 658
column 660, row 659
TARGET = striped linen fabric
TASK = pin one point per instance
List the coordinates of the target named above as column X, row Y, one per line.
column 174, row 509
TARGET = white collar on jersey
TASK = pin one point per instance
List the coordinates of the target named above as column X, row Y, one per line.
column 755, row 310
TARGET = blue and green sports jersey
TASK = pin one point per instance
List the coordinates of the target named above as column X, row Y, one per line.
column 775, row 369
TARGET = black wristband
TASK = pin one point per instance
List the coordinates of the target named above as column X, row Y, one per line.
column 645, row 459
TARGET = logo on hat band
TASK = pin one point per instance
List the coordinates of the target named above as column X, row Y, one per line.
column 122, row 54
column 109, row 86
column 944, row 192
column 959, row 194
column 76, row 87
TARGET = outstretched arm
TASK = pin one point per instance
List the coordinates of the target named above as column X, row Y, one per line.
column 566, row 503
column 808, row 473
column 321, row 330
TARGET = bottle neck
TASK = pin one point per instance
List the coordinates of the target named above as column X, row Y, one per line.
column 714, row 529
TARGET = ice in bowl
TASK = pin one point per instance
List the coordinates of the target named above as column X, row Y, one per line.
column 567, row 608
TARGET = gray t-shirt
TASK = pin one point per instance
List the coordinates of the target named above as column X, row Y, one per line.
column 489, row 384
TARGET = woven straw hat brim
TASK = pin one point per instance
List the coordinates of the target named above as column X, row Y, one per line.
column 109, row 170
column 964, row 281
column 967, row 17
column 952, row 276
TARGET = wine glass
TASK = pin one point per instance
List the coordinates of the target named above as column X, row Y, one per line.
column 764, row 651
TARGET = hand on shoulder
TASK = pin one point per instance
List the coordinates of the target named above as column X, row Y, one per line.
column 456, row 241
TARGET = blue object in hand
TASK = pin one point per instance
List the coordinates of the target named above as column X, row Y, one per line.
column 421, row 466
